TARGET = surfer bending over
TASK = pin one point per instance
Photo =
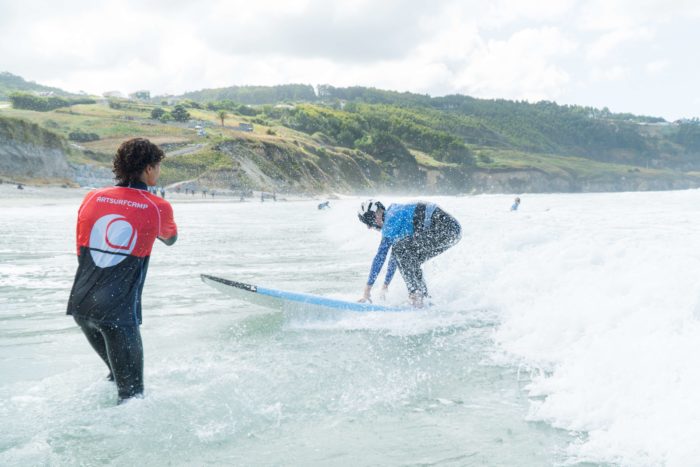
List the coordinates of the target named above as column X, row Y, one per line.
column 117, row 227
column 415, row 233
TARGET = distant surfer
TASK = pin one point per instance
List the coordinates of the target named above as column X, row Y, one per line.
column 415, row 233
column 515, row 205
column 324, row 205
column 117, row 227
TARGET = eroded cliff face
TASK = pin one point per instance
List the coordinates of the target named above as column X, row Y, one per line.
column 535, row 181
column 30, row 161
column 285, row 167
column 29, row 151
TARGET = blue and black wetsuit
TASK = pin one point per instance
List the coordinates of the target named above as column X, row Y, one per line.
column 415, row 233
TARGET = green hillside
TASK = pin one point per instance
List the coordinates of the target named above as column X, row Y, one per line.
column 360, row 139
column 255, row 95
column 10, row 83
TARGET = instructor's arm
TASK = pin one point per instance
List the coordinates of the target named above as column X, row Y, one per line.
column 168, row 229
column 168, row 241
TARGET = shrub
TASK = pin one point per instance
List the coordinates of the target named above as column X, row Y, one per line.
column 157, row 113
column 115, row 104
column 21, row 100
column 180, row 114
column 82, row 136
column 485, row 159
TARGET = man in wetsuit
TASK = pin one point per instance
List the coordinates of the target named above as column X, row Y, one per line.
column 117, row 227
column 515, row 205
column 415, row 233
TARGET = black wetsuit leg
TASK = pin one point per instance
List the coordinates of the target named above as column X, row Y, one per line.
column 121, row 348
column 97, row 342
column 411, row 252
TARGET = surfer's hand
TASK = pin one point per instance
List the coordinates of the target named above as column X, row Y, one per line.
column 366, row 295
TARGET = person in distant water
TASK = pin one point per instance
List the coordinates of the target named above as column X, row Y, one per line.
column 117, row 227
column 415, row 233
column 515, row 205
column 324, row 205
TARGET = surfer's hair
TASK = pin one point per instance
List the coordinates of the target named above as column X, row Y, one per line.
column 132, row 158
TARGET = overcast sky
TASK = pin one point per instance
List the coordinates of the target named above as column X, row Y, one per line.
column 634, row 56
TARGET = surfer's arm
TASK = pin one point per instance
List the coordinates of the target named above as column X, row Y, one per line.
column 378, row 261
column 377, row 264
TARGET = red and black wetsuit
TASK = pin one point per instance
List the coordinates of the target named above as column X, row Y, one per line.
column 117, row 227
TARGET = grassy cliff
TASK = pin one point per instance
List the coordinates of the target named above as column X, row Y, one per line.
column 30, row 152
column 359, row 140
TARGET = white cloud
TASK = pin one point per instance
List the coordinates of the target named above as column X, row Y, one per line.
column 522, row 67
column 344, row 31
column 614, row 73
column 657, row 66
column 505, row 12
column 456, row 35
column 630, row 14
column 610, row 42
column 518, row 49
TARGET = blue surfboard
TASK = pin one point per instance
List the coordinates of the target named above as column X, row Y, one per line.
column 273, row 298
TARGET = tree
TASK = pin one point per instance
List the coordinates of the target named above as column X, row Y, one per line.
column 180, row 114
column 157, row 113
column 384, row 146
column 222, row 115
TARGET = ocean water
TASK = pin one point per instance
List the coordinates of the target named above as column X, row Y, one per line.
column 562, row 334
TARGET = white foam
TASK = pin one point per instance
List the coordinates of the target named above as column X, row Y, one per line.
column 599, row 296
column 601, row 291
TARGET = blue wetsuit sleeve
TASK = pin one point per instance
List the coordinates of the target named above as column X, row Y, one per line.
column 379, row 259
column 391, row 269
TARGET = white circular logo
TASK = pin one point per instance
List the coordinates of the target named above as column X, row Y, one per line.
column 112, row 239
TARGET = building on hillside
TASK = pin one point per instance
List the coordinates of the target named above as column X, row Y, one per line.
column 245, row 127
column 140, row 95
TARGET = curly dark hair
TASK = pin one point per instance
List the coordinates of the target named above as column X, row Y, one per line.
column 132, row 158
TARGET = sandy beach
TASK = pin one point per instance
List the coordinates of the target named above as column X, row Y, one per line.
column 38, row 195
column 30, row 195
